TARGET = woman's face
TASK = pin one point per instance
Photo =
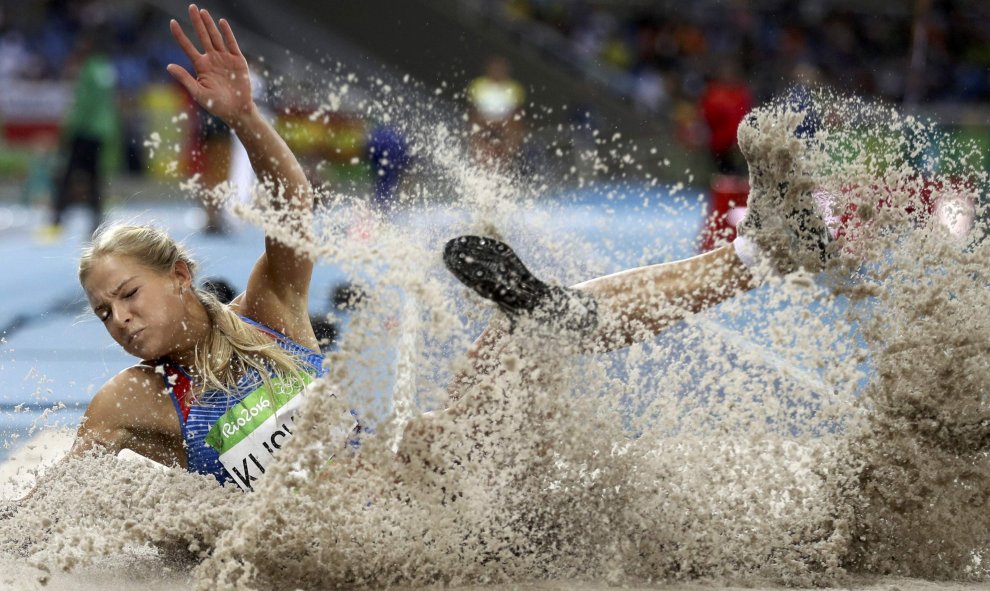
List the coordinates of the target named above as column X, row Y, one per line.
column 142, row 309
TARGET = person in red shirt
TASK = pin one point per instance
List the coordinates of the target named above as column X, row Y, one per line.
column 724, row 102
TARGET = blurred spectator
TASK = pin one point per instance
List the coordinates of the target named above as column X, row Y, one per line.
column 88, row 129
column 724, row 102
column 16, row 61
column 496, row 102
column 56, row 38
column 616, row 53
column 856, row 48
column 591, row 31
column 388, row 155
column 650, row 90
column 689, row 127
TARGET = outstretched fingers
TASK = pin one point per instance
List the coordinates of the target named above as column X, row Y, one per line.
column 185, row 44
column 216, row 40
column 183, row 77
column 187, row 80
column 196, row 18
column 228, row 35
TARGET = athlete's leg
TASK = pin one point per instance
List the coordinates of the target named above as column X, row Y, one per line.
column 644, row 301
column 598, row 315
column 785, row 228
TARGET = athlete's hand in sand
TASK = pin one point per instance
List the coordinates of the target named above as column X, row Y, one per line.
column 222, row 85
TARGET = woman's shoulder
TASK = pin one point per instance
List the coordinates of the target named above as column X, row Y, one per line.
column 129, row 409
column 137, row 390
column 135, row 381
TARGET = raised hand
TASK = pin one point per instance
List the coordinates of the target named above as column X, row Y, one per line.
column 222, row 85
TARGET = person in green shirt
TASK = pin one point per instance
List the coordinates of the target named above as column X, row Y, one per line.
column 90, row 125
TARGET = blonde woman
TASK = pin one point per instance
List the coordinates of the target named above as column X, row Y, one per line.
column 211, row 376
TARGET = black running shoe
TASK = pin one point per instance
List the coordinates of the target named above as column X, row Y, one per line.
column 493, row 270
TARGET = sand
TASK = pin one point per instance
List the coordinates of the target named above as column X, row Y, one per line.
column 38, row 453
column 148, row 575
column 837, row 436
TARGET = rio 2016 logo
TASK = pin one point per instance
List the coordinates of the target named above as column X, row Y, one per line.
column 245, row 415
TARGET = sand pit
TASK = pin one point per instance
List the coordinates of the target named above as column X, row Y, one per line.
column 823, row 430
column 38, row 453
column 147, row 573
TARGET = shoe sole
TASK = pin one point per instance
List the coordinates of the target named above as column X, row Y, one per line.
column 494, row 272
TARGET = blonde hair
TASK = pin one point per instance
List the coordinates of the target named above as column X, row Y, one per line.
column 232, row 346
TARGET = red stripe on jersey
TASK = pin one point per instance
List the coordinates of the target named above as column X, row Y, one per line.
column 181, row 388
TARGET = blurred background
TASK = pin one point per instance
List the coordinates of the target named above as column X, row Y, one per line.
column 677, row 75
column 91, row 124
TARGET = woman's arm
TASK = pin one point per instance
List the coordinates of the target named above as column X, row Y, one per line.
column 278, row 288
column 131, row 411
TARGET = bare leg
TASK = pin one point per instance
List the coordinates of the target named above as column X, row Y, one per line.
column 634, row 304
column 646, row 300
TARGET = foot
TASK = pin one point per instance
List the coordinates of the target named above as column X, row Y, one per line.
column 493, row 270
column 784, row 217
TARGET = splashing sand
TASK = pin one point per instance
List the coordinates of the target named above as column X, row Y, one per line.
column 858, row 449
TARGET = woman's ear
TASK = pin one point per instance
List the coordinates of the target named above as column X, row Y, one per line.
column 182, row 274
